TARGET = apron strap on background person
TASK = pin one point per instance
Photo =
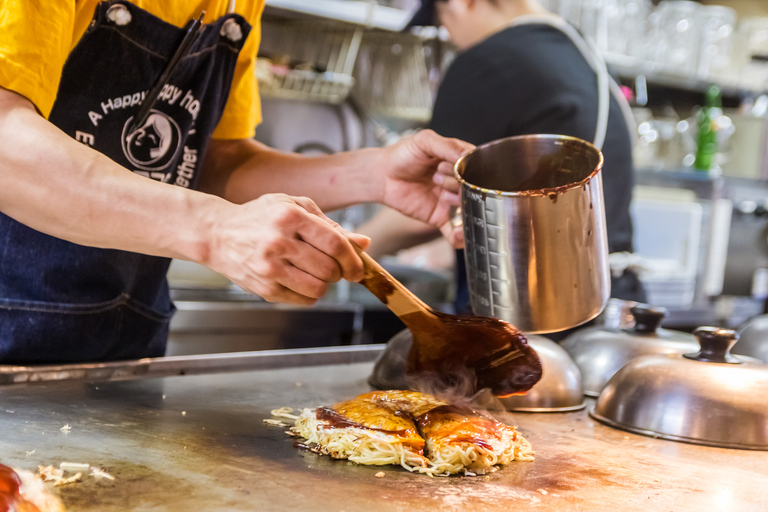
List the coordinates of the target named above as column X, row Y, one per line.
column 595, row 61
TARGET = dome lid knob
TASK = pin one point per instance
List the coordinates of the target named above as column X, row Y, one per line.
column 716, row 344
column 648, row 318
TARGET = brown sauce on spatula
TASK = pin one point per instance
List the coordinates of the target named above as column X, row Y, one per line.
column 449, row 350
column 488, row 351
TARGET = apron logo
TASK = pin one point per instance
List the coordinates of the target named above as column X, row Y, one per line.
column 154, row 145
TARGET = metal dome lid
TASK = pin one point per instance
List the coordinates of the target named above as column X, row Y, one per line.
column 600, row 352
column 709, row 397
column 560, row 388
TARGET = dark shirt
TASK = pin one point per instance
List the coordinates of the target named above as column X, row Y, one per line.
column 531, row 79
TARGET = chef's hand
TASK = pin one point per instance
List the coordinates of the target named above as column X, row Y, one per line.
column 284, row 249
column 420, row 183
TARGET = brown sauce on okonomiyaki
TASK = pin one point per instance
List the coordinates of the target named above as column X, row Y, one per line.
column 336, row 420
column 458, row 424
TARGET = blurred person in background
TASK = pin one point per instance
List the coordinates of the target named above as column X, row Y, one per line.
column 521, row 70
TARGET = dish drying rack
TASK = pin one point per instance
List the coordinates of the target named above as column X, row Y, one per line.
column 308, row 60
column 392, row 76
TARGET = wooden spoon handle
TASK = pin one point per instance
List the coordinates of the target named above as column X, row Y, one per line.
column 389, row 290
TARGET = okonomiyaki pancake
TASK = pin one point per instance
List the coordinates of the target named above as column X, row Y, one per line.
column 375, row 428
column 413, row 430
column 460, row 439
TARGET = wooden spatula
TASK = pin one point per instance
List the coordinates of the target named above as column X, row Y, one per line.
column 456, row 350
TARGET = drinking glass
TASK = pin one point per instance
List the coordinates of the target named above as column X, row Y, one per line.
column 716, row 24
column 675, row 33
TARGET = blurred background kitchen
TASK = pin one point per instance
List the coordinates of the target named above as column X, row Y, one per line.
column 340, row 74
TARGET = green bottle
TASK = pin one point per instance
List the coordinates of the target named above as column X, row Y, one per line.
column 706, row 140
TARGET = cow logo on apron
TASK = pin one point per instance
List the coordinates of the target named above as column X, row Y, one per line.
column 154, row 145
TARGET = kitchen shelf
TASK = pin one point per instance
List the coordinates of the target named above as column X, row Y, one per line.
column 392, row 76
column 308, row 60
column 359, row 12
column 331, row 88
column 629, row 68
column 370, row 15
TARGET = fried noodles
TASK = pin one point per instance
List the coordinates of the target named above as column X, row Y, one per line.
column 413, row 430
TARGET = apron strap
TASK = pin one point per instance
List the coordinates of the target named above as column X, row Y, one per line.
column 595, row 61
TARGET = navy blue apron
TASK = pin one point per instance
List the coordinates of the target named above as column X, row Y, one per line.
column 63, row 302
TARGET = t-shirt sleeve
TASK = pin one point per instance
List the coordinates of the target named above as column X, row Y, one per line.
column 242, row 112
column 35, row 39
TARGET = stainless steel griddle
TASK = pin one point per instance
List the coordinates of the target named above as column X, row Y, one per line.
column 198, row 442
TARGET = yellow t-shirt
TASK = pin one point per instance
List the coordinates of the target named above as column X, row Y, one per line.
column 36, row 37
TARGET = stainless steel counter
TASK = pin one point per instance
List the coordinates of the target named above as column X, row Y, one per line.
column 197, row 442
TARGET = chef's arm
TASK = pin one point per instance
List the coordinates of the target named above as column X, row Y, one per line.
column 242, row 169
column 282, row 248
column 61, row 187
column 413, row 176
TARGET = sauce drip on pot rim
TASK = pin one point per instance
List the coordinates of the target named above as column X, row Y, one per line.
column 571, row 163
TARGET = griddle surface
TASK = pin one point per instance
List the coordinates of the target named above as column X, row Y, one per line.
column 199, row 443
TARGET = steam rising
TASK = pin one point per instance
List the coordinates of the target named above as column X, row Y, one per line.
column 457, row 389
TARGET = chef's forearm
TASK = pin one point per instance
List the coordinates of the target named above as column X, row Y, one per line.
column 56, row 185
column 241, row 170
